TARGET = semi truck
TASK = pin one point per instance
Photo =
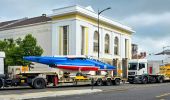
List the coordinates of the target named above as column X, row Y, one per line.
column 155, row 68
column 24, row 76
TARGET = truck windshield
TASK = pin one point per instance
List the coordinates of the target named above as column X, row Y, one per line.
column 132, row 66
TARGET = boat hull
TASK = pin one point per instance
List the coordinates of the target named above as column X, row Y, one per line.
column 78, row 68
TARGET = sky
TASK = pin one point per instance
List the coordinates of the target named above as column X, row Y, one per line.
column 149, row 18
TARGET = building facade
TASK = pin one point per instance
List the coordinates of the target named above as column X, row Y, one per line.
column 72, row 30
column 134, row 51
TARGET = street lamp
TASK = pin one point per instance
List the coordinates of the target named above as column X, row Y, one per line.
column 99, row 12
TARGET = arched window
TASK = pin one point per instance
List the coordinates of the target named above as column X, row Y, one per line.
column 116, row 46
column 95, row 41
column 107, row 43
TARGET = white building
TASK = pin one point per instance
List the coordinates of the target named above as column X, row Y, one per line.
column 72, row 30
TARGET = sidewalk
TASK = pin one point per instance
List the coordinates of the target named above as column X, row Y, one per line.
column 47, row 94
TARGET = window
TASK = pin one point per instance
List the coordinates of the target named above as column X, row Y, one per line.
column 133, row 66
column 95, row 41
column 64, row 40
column 116, row 46
column 141, row 65
column 82, row 39
column 107, row 43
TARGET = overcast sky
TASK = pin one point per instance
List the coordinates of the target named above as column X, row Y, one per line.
column 149, row 18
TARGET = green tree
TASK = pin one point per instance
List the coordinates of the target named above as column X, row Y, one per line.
column 15, row 50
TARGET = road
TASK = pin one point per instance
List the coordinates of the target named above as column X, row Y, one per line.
column 122, row 92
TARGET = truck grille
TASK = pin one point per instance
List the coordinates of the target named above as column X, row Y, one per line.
column 131, row 73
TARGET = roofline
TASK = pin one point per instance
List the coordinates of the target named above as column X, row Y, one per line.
column 89, row 13
column 25, row 25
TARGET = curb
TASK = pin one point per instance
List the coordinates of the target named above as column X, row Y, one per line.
column 47, row 94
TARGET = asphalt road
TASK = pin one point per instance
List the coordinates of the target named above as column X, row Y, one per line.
column 121, row 92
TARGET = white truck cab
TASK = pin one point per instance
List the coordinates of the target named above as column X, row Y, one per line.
column 144, row 71
column 137, row 67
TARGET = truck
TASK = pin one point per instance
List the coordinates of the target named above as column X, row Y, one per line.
column 153, row 69
column 24, row 76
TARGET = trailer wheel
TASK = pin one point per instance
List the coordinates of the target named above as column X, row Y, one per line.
column 160, row 80
column 117, row 81
column 109, row 82
column 99, row 82
column 145, row 80
column 39, row 83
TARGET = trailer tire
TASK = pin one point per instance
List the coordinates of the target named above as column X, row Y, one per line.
column 160, row 80
column 145, row 80
column 99, row 82
column 39, row 83
column 117, row 81
column 109, row 82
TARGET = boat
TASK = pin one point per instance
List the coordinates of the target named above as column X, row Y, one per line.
column 71, row 63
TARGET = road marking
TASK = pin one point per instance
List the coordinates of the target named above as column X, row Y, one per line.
column 163, row 95
column 111, row 90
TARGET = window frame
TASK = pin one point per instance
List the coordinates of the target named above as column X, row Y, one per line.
column 116, row 46
column 107, row 43
column 95, row 41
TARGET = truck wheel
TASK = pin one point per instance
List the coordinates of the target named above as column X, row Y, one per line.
column 99, row 82
column 145, row 80
column 1, row 83
column 117, row 82
column 109, row 82
column 131, row 82
column 39, row 83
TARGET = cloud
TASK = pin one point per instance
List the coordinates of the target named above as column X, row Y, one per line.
column 155, row 26
column 16, row 9
column 149, row 18
column 146, row 20
column 152, row 30
column 150, row 45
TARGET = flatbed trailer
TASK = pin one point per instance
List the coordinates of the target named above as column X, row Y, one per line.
column 42, row 79
column 22, row 75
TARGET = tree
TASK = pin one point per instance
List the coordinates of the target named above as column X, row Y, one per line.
column 15, row 50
